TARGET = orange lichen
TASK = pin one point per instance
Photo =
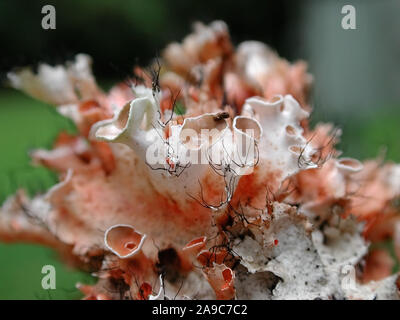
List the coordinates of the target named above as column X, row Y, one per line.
column 236, row 198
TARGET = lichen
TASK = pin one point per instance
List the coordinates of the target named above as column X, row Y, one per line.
column 236, row 198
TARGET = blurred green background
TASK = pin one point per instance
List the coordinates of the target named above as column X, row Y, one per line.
column 357, row 82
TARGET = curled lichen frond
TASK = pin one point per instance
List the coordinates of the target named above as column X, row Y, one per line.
column 123, row 240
